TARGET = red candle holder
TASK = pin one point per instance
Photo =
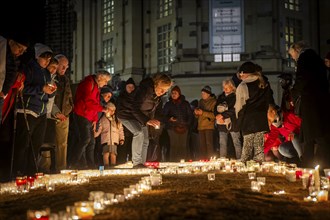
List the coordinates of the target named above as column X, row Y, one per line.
column 30, row 180
column 299, row 174
column 21, row 180
column 21, row 183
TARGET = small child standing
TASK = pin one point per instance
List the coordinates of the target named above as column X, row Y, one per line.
column 112, row 135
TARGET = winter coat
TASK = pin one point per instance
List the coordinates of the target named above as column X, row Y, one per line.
column 10, row 99
column 111, row 132
column 272, row 139
column 63, row 98
column 87, row 99
column 252, row 117
column 124, row 105
column 8, row 66
column 207, row 119
column 312, row 86
column 230, row 113
column 179, row 109
column 142, row 105
column 33, row 95
column 291, row 124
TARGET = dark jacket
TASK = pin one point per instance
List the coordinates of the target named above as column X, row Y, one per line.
column 63, row 97
column 33, row 95
column 230, row 113
column 252, row 117
column 312, row 85
column 12, row 64
column 179, row 109
column 141, row 105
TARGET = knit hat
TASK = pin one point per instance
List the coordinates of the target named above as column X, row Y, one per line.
column 247, row 67
column 130, row 81
column 176, row 88
column 106, row 89
column 40, row 49
column 327, row 56
column 207, row 89
column 110, row 105
column 19, row 37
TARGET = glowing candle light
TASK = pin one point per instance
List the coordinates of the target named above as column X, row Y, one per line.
column 317, row 177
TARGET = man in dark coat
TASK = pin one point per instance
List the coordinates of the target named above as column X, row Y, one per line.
column 311, row 87
column 138, row 111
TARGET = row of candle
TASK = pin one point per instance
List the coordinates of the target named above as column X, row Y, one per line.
column 98, row 200
column 223, row 164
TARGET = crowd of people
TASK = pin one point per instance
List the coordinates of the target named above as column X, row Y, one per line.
column 40, row 118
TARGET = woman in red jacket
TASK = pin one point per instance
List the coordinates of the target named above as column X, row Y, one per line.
column 282, row 140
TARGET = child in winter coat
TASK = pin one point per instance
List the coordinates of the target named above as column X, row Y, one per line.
column 112, row 135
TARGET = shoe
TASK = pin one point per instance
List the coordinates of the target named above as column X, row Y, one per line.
column 139, row 166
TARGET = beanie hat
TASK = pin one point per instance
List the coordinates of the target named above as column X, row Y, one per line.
column 110, row 105
column 327, row 56
column 207, row 89
column 247, row 67
column 19, row 38
column 40, row 49
column 130, row 81
column 106, row 89
column 176, row 88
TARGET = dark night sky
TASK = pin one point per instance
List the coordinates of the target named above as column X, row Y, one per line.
column 26, row 17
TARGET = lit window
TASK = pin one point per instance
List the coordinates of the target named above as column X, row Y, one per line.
column 293, row 5
column 107, row 55
column 165, row 8
column 108, row 16
column 293, row 33
column 227, row 57
column 164, row 47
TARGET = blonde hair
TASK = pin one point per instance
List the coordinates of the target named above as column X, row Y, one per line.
column 299, row 46
column 161, row 78
column 229, row 82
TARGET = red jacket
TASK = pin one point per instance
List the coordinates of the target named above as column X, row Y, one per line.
column 87, row 99
column 291, row 124
column 272, row 139
column 11, row 96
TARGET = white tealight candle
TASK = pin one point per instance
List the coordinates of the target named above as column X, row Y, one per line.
column 322, row 196
column 317, row 177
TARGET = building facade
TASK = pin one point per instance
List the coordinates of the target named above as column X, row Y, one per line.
column 197, row 42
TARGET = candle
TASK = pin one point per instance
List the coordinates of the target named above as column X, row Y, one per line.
column 290, row 175
column 21, row 184
column 322, row 196
column 261, row 181
column 211, row 176
column 38, row 214
column 298, row 174
column 252, row 176
column 317, row 177
column 84, row 209
column 255, row 186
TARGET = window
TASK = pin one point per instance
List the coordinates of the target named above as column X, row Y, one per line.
column 108, row 16
column 164, row 47
column 108, row 55
column 227, row 57
column 293, row 5
column 293, row 33
column 165, row 8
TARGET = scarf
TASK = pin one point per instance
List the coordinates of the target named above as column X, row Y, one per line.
column 242, row 93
